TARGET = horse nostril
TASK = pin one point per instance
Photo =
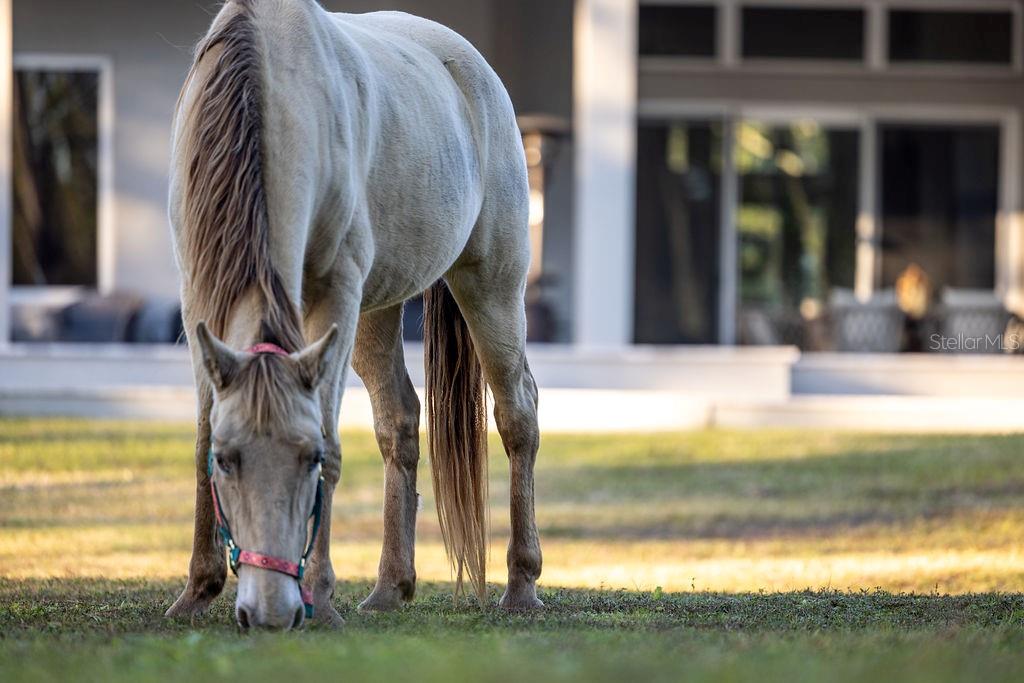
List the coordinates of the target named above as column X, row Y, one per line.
column 242, row 616
column 300, row 615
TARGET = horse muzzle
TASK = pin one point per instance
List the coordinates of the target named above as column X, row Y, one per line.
column 268, row 600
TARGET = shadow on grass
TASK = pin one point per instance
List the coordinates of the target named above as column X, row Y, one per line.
column 816, row 494
column 84, row 607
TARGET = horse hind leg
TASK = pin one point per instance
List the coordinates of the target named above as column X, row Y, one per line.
column 379, row 360
column 495, row 312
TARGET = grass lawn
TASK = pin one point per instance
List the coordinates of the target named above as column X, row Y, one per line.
column 705, row 556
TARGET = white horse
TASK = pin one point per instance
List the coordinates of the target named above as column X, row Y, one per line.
column 326, row 168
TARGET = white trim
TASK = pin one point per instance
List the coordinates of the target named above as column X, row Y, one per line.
column 47, row 297
column 728, row 240
column 1009, row 226
column 867, row 268
column 730, row 34
column 6, row 198
column 876, row 37
column 820, row 67
column 683, row 108
column 784, row 114
column 848, row 113
column 1018, row 38
column 106, row 238
column 961, row 5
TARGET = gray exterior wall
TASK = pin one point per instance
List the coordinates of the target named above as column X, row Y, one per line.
column 150, row 45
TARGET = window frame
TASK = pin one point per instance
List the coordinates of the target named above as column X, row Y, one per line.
column 1009, row 228
column 103, row 66
column 876, row 41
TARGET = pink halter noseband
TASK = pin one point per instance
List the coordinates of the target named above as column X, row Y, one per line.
column 269, row 349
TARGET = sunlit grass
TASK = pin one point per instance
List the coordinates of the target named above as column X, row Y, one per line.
column 731, row 511
column 666, row 557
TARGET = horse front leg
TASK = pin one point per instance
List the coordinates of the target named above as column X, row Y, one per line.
column 207, row 569
column 339, row 308
column 320, row 578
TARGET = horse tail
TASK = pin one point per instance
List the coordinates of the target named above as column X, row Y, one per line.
column 226, row 231
column 456, row 408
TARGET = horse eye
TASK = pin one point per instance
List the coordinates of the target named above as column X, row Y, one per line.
column 224, row 462
column 316, row 460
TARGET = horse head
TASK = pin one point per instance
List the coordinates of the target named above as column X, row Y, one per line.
column 266, row 455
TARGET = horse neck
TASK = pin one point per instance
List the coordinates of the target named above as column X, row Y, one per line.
column 245, row 323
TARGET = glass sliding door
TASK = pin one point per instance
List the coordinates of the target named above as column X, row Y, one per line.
column 940, row 190
column 796, row 219
column 677, row 235
column 939, row 200
column 788, row 205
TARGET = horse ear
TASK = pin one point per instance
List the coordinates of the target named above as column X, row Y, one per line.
column 315, row 361
column 220, row 361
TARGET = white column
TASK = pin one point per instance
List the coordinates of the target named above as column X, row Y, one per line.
column 1010, row 219
column 605, row 96
column 6, row 96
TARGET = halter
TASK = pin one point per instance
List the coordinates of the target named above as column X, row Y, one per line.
column 266, row 348
column 237, row 556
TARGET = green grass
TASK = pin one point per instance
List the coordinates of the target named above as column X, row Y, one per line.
column 712, row 556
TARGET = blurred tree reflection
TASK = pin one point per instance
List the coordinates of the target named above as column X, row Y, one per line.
column 55, row 150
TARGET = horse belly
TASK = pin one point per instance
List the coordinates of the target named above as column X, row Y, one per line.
column 412, row 256
column 429, row 197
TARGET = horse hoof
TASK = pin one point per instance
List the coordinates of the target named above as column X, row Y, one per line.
column 381, row 601
column 189, row 605
column 327, row 617
column 523, row 600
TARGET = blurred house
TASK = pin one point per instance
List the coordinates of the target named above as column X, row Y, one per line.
column 765, row 209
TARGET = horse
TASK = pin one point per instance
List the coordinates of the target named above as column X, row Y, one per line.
column 325, row 169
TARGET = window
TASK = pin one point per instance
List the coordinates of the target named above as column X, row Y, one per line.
column 56, row 151
column 795, row 33
column 951, row 36
column 796, row 222
column 940, row 187
column 677, row 241
column 678, row 31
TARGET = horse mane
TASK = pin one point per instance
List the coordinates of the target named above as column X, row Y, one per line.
column 226, row 232
column 269, row 387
